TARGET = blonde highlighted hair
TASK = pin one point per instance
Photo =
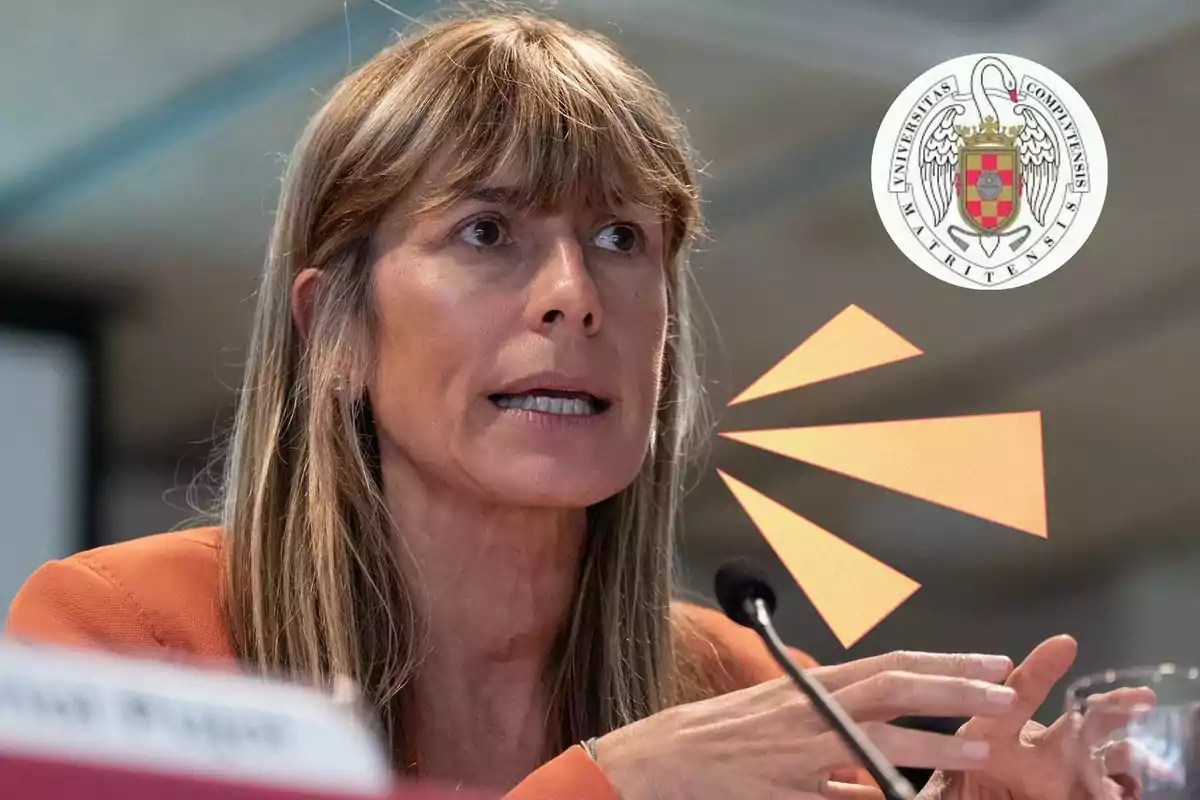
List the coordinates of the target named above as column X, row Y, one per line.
column 316, row 587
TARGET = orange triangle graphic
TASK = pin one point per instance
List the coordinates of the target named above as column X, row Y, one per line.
column 852, row 591
column 850, row 342
column 988, row 465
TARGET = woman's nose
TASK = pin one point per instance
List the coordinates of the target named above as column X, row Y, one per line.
column 564, row 293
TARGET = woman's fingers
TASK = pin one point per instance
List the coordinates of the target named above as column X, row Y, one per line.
column 957, row 665
column 1100, row 725
column 1108, row 712
column 889, row 695
column 1110, row 770
column 1033, row 681
column 908, row 748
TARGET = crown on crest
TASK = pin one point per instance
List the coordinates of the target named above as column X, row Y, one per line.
column 989, row 134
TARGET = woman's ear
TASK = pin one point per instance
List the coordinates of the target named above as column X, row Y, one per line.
column 304, row 297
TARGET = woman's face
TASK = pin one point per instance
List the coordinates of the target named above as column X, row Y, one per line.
column 520, row 355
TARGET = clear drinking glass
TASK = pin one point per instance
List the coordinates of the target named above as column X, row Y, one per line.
column 1165, row 742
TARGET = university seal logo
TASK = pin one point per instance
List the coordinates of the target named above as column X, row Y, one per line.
column 989, row 171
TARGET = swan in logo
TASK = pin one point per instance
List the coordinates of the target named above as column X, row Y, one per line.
column 991, row 167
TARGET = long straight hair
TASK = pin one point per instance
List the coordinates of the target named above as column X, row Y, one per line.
column 316, row 586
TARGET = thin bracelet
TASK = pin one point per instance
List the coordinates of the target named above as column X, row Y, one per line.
column 590, row 746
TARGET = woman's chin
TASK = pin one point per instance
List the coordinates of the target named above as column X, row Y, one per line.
column 551, row 485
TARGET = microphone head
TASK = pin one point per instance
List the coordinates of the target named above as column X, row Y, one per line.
column 740, row 580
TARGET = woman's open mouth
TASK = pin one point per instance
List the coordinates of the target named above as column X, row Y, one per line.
column 549, row 401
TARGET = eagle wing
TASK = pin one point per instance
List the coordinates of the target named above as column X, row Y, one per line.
column 1039, row 160
column 939, row 156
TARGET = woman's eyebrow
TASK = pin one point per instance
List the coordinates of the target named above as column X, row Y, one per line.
column 499, row 195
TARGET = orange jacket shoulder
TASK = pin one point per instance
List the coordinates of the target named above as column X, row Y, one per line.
column 722, row 655
column 155, row 593
column 164, row 591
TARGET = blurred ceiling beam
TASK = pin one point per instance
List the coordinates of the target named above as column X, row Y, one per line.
column 893, row 42
column 316, row 52
column 793, row 179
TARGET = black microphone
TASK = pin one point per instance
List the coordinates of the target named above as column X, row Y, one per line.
column 747, row 598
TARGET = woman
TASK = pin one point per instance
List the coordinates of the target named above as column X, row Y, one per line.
column 456, row 467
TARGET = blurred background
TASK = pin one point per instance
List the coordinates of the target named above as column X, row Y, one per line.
column 140, row 149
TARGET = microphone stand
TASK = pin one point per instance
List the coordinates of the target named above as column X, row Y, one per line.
column 893, row 784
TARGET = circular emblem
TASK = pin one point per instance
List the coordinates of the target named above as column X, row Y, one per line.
column 989, row 171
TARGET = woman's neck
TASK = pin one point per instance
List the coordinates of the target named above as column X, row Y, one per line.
column 495, row 585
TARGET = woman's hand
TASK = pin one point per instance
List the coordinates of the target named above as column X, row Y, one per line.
column 1029, row 761
column 768, row 741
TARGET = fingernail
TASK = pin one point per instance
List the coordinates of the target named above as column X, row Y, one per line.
column 1000, row 695
column 995, row 663
column 975, row 750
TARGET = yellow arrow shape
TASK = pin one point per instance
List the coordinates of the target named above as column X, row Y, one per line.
column 851, row 590
column 989, row 466
column 852, row 341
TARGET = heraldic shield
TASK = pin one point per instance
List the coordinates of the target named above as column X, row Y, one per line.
column 988, row 180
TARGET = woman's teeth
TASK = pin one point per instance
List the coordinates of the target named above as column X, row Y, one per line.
column 548, row 405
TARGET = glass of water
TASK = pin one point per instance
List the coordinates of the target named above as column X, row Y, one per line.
column 1164, row 742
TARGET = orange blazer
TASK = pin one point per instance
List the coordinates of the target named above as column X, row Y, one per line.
column 162, row 594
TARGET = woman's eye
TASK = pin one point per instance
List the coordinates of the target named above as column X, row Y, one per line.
column 620, row 237
column 484, row 233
